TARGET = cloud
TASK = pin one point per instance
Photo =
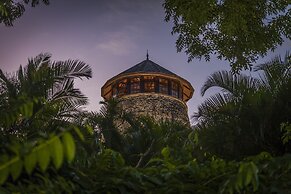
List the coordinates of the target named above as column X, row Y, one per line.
column 117, row 46
column 124, row 24
column 120, row 43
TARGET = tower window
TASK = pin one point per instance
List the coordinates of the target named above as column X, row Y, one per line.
column 122, row 87
column 114, row 91
column 135, row 85
column 149, row 84
column 163, row 86
column 175, row 89
column 180, row 93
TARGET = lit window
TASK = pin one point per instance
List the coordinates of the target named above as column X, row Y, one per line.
column 135, row 85
column 163, row 86
column 149, row 84
column 122, row 87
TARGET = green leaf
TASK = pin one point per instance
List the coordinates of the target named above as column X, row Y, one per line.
column 248, row 173
column 30, row 162
column 43, row 157
column 3, row 175
column 56, row 150
column 118, row 159
column 69, row 146
column 255, row 180
column 166, row 152
column 239, row 181
column 4, row 170
column 90, row 129
column 286, row 129
column 16, row 169
column 248, row 177
column 81, row 136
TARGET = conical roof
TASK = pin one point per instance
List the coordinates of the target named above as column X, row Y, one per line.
column 147, row 66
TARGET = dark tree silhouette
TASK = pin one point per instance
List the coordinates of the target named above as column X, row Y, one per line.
column 245, row 117
column 236, row 30
column 10, row 10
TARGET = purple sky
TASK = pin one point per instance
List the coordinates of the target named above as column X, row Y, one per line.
column 110, row 36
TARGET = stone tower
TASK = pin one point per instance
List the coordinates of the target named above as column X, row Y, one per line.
column 149, row 89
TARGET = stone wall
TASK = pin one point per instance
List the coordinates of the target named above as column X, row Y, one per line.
column 158, row 106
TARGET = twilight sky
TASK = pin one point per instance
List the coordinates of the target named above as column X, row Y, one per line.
column 110, row 36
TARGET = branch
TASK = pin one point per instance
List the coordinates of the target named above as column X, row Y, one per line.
column 141, row 159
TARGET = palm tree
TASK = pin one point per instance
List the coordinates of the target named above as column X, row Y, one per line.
column 245, row 117
column 41, row 95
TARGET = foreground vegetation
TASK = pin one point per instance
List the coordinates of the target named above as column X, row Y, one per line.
column 241, row 143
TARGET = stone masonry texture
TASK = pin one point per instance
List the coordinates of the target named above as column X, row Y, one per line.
column 159, row 107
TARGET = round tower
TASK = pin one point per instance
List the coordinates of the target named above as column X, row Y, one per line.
column 149, row 89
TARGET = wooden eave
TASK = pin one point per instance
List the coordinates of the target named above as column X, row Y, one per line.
column 188, row 90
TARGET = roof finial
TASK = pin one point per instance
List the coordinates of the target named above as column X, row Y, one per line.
column 147, row 54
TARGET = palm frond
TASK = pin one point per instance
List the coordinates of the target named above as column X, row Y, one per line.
column 20, row 74
column 49, row 90
column 35, row 63
column 109, row 108
column 69, row 112
column 212, row 104
column 8, row 85
column 275, row 72
column 35, row 79
column 67, row 92
column 71, row 69
column 230, row 83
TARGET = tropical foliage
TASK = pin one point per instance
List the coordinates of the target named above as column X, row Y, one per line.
column 245, row 117
column 41, row 96
column 239, row 31
column 48, row 145
column 10, row 10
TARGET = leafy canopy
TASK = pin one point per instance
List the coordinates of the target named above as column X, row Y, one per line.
column 236, row 30
column 10, row 10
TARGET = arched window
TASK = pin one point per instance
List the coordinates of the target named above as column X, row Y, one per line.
column 134, row 85
column 149, row 84
column 163, row 86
